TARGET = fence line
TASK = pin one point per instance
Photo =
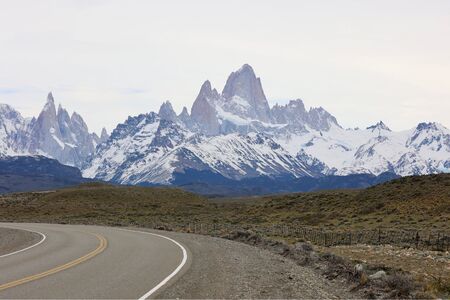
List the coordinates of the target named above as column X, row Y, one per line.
column 423, row 240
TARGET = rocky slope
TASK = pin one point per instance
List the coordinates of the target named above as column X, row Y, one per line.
column 149, row 149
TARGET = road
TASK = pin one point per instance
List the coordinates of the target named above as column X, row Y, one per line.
column 78, row 261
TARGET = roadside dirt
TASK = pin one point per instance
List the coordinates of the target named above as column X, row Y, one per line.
column 226, row 269
column 430, row 267
column 14, row 239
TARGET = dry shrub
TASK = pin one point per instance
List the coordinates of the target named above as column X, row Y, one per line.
column 400, row 285
column 303, row 254
column 337, row 266
column 396, row 285
column 440, row 286
column 245, row 236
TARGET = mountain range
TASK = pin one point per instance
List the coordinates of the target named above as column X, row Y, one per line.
column 233, row 134
column 53, row 134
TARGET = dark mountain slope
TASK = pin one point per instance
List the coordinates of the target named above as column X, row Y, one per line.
column 216, row 185
column 35, row 173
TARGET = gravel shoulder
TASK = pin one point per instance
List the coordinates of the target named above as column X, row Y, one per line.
column 221, row 268
column 15, row 239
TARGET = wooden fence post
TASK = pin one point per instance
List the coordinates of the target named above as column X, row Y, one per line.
column 437, row 242
column 429, row 240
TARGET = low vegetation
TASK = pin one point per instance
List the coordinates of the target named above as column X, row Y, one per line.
column 419, row 204
column 96, row 203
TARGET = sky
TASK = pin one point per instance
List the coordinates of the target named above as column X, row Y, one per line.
column 362, row 60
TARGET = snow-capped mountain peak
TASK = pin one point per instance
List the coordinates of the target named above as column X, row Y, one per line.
column 430, row 135
column 166, row 112
column 104, row 135
column 12, row 130
column 295, row 114
column 7, row 110
column 184, row 115
column 53, row 133
column 203, row 111
column 379, row 127
column 234, row 134
column 244, row 96
column 50, row 101
column 243, row 107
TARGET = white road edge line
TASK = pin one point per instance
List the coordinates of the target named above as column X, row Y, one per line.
column 29, row 247
column 175, row 272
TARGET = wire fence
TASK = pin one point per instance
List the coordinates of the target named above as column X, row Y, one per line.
column 423, row 240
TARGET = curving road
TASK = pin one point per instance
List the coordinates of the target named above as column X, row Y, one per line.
column 77, row 261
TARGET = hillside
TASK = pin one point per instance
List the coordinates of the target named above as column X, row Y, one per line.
column 35, row 173
column 409, row 202
column 96, row 203
column 419, row 202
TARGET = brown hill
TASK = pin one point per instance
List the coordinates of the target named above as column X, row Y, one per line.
column 418, row 202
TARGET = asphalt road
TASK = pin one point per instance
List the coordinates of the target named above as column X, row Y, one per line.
column 77, row 261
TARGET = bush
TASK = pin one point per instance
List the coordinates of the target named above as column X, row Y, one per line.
column 337, row 266
column 402, row 285
column 304, row 247
column 303, row 254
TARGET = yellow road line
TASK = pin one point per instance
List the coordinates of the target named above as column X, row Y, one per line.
column 101, row 247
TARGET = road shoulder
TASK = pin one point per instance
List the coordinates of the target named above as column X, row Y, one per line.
column 12, row 240
column 226, row 269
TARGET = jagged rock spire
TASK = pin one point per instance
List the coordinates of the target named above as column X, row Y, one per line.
column 50, row 97
column 64, row 138
column 104, row 133
column 184, row 112
column 49, row 105
column 203, row 110
column 244, row 84
column 379, row 126
column 166, row 112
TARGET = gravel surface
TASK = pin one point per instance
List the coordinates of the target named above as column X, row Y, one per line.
column 226, row 269
column 15, row 239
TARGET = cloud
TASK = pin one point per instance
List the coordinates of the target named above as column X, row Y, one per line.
column 362, row 61
column 8, row 90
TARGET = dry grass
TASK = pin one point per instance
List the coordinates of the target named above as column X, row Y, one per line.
column 103, row 204
column 418, row 203
column 430, row 267
column 421, row 203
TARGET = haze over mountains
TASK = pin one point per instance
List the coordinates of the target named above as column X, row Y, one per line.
column 234, row 134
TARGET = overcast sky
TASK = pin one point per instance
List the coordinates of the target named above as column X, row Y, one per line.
column 363, row 61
